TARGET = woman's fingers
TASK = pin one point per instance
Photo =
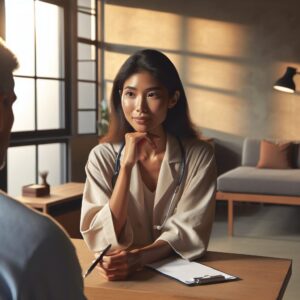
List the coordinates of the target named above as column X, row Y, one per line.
column 119, row 266
column 132, row 140
column 120, row 273
column 121, row 261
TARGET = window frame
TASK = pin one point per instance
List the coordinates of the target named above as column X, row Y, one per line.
column 49, row 136
column 34, row 135
column 96, row 81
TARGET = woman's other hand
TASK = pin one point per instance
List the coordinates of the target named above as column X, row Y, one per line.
column 119, row 265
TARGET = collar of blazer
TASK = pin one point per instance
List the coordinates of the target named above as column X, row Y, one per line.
column 168, row 171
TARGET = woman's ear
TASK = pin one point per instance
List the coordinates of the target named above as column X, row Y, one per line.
column 173, row 101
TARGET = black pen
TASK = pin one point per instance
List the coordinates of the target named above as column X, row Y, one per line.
column 96, row 261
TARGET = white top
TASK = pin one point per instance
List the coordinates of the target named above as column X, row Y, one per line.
column 37, row 260
column 187, row 227
column 149, row 197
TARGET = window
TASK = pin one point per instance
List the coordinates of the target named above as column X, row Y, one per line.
column 24, row 161
column 37, row 39
column 87, row 66
column 35, row 31
column 48, row 47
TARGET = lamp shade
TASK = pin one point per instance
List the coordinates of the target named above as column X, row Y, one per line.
column 286, row 82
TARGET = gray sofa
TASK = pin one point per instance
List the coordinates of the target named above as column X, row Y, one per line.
column 250, row 184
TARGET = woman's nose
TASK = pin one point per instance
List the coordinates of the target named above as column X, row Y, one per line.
column 141, row 104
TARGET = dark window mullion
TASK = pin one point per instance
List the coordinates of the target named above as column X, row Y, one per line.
column 54, row 140
column 36, row 163
column 40, row 77
column 67, row 68
column 80, row 9
column 87, row 109
column 36, row 136
column 97, row 72
column 35, row 70
column 86, row 41
column 87, row 60
column 86, row 80
column 55, row 2
column 90, row 42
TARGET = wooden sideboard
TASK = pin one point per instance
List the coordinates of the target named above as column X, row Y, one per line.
column 63, row 204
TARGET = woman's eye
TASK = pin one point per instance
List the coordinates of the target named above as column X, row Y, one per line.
column 153, row 95
column 129, row 94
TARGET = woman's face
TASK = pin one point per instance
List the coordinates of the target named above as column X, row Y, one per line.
column 145, row 102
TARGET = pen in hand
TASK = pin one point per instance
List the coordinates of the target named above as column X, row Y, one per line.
column 96, row 261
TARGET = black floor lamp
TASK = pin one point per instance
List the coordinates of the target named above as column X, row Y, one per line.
column 286, row 82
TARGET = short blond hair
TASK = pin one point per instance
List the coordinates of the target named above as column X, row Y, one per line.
column 8, row 63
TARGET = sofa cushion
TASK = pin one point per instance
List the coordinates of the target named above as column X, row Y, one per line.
column 260, row 181
column 250, row 155
column 251, row 151
column 275, row 155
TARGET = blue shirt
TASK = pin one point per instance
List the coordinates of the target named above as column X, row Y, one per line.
column 37, row 260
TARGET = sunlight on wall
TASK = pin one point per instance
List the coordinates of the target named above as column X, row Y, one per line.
column 217, row 38
column 113, row 62
column 207, row 54
column 209, row 111
column 284, row 117
column 224, row 60
column 215, row 73
column 141, row 28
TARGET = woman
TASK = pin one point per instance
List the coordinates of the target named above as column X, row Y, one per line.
column 150, row 183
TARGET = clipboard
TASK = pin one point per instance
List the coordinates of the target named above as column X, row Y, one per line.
column 190, row 273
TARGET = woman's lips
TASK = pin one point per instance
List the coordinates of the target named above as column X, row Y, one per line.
column 140, row 120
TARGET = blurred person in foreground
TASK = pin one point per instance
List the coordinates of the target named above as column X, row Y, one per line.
column 37, row 259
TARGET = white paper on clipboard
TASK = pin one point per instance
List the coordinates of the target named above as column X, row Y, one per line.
column 190, row 273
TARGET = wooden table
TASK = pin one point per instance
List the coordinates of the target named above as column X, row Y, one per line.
column 262, row 278
column 58, row 194
column 63, row 204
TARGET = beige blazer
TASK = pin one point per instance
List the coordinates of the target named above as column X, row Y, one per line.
column 187, row 228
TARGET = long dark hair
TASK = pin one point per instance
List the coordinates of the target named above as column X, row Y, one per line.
column 162, row 69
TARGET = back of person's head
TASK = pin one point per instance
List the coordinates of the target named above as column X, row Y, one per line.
column 8, row 63
column 162, row 69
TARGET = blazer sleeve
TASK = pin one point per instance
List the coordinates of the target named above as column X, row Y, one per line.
column 96, row 223
column 188, row 230
column 53, row 271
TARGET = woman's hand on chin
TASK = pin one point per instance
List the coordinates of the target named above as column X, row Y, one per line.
column 133, row 147
column 119, row 265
